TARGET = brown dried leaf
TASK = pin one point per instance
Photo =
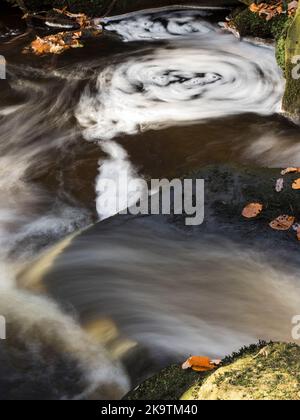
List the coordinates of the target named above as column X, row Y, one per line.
column 283, row 222
column 290, row 171
column 271, row 10
column 252, row 210
column 55, row 44
column 293, row 5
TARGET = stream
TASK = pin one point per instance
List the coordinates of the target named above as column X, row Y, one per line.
column 95, row 303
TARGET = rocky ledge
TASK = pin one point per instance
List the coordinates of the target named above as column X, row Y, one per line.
column 259, row 372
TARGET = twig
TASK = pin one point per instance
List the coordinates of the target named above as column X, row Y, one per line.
column 22, row 6
column 24, row 9
column 110, row 8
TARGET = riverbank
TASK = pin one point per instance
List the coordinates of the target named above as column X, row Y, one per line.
column 258, row 372
column 284, row 29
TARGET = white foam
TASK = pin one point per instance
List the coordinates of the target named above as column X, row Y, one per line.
column 116, row 168
column 184, row 82
column 161, row 26
column 182, row 85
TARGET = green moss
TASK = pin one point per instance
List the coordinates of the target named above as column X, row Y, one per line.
column 169, row 384
column 251, row 24
column 280, row 52
column 243, row 375
column 291, row 99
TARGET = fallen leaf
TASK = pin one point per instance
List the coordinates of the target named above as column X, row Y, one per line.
column 293, row 5
column 279, row 184
column 83, row 20
column 230, row 26
column 200, row 363
column 254, row 8
column 283, row 222
column 275, row 8
column 298, row 234
column 290, row 171
column 296, row 184
column 55, row 44
column 252, row 210
column 265, row 352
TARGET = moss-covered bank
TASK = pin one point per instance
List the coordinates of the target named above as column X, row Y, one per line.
column 251, row 24
column 286, row 32
column 259, row 372
column 272, row 375
column 291, row 101
column 169, row 384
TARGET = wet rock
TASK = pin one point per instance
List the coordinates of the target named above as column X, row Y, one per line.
column 97, row 7
column 258, row 372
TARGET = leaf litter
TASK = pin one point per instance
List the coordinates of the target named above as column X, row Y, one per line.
column 283, row 222
column 62, row 41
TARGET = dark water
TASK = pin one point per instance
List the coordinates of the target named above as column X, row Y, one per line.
column 159, row 96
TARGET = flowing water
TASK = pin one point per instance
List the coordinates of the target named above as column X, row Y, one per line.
column 158, row 95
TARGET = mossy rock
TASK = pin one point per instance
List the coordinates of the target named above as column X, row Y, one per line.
column 272, row 375
column 291, row 100
column 251, row 24
column 169, row 384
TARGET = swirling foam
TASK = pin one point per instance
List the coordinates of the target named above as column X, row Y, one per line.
column 187, row 82
column 161, row 26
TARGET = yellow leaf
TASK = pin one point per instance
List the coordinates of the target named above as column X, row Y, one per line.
column 290, row 171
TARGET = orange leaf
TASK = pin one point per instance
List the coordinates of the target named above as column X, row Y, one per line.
column 290, row 171
column 252, row 210
column 254, row 8
column 298, row 234
column 296, row 184
column 283, row 222
column 199, row 363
